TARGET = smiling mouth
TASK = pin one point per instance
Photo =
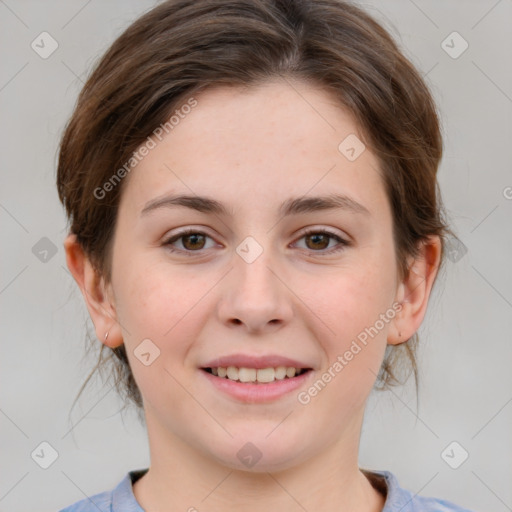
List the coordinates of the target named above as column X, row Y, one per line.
column 256, row 375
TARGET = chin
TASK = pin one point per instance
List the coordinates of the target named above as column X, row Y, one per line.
column 260, row 454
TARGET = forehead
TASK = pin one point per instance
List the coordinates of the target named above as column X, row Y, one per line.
column 259, row 143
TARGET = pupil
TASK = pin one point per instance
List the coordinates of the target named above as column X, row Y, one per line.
column 192, row 236
column 317, row 236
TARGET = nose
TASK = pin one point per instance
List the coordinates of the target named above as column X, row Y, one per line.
column 255, row 296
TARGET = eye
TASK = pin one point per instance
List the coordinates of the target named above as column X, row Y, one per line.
column 193, row 241
column 319, row 240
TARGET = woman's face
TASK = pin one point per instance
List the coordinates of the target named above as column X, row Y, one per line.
column 248, row 288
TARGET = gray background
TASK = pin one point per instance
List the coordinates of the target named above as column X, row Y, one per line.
column 466, row 353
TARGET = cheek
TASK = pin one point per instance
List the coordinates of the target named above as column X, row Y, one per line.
column 354, row 350
column 153, row 292
column 148, row 302
column 163, row 303
column 357, row 308
column 162, row 307
column 353, row 299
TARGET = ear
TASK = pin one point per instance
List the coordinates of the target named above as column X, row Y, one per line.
column 96, row 294
column 414, row 291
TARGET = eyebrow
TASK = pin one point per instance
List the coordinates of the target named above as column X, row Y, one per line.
column 293, row 206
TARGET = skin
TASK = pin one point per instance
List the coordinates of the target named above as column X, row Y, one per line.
column 252, row 149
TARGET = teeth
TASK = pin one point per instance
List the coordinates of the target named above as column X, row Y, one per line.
column 263, row 375
column 290, row 372
column 280, row 372
column 232, row 373
column 266, row 375
column 247, row 374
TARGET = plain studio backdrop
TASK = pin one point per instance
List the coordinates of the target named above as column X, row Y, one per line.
column 456, row 443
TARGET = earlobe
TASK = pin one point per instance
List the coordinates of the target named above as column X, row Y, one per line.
column 414, row 292
column 94, row 291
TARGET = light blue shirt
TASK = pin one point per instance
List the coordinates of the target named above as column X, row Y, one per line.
column 122, row 499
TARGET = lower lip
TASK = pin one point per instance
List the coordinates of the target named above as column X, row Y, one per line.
column 257, row 393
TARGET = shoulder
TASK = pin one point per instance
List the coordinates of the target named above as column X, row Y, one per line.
column 101, row 502
column 119, row 499
column 426, row 504
column 403, row 500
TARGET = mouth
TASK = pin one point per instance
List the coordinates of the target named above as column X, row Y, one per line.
column 256, row 378
column 256, row 375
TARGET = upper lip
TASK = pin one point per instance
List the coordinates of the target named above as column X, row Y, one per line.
column 258, row 362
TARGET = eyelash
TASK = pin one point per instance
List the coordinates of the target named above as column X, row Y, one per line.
column 342, row 242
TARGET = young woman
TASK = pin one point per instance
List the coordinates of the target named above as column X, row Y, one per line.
column 256, row 228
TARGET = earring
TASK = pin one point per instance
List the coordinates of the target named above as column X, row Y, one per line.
column 106, row 335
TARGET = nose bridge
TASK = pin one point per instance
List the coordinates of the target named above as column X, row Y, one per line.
column 253, row 271
column 254, row 294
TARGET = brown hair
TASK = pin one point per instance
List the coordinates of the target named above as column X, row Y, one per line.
column 182, row 47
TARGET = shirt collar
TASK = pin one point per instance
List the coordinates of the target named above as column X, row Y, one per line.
column 123, row 499
column 386, row 483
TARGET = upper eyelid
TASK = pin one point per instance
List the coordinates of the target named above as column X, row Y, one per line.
column 304, row 231
column 316, row 229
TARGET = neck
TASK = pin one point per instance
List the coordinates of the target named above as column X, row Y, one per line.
column 181, row 478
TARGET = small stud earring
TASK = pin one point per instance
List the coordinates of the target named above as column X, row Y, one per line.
column 106, row 335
